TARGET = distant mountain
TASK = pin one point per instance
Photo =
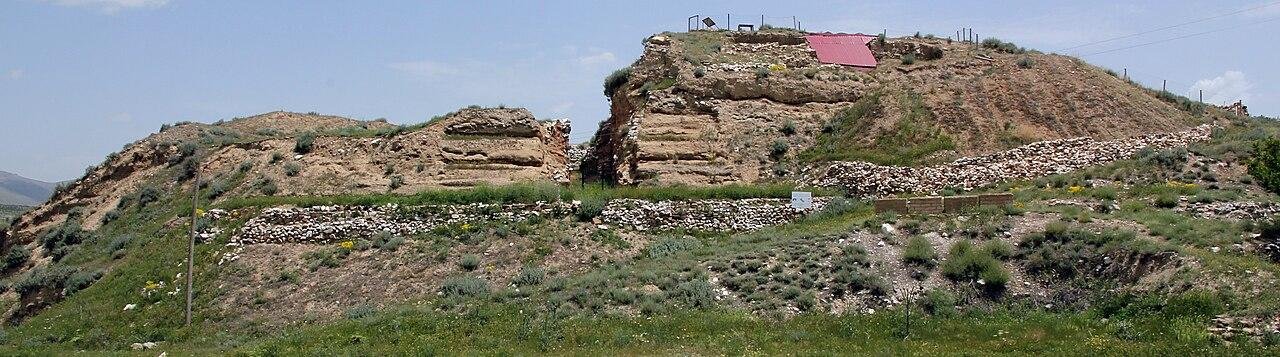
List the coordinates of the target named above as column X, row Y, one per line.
column 22, row 191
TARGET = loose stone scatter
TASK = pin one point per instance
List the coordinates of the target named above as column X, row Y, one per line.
column 327, row 224
column 1034, row 160
column 1233, row 210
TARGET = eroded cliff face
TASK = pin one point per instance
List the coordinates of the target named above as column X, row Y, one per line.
column 256, row 156
column 706, row 108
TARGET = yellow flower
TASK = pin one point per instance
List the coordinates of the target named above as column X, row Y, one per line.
column 151, row 285
column 200, row 212
column 777, row 67
column 466, row 227
column 347, row 244
column 1075, row 189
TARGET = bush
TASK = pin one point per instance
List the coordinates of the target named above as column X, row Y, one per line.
column 671, row 246
column 43, row 278
column 275, row 157
column 386, row 241
column 267, row 186
column 779, row 148
column 217, row 189
column 699, row 72
column 762, row 73
column 1264, row 166
column 147, row 194
column 397, row 181
column 590, row 208
column 695, row 294
column 1026, row 62
column 79, row 280
column 292, row 169
column 1167, row 200
column 304, row 144
column 616, row 80
column 359, row 312
column 909, row 59
column 964, row 262
column 788, row 128
column 17, row 256
column 529, row 276
column 464, row 287
column 939, row 303
column 919, row 251
column 469, row 262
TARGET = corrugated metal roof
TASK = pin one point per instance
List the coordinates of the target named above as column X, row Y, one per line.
column 842, row 48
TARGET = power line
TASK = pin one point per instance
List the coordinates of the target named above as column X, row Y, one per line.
column 1182, row 37
column 1170, row 26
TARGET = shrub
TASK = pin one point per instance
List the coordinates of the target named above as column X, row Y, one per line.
column 79, row 280
column 967, row 263
column 919, row 251
column 359, row 312
column 616, row 80
column 275, row 157
column 1264, row 166
column 999, row 249
column 267, row 186
column 397, row 181
column 696, row 294
column 671, row 246
column 779, row 148
column 217, row 189
column 16, row 257
column 304, row 144
column 939, row 303
column 67, row 234
column 590, row 208
column 762, row 73
column 909, row 58
column 387, row 241
column 43, row 278
column 292, row 169
column 699, row 72
column 246, row 166
column 788, row 128
column 148, row 194
column 464, row 286
column 1167, row 200
column 1026, row 62
column 469, row 262
column 529, row 276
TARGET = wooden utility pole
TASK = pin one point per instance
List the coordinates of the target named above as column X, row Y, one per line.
column 191, row 241
column 1201, row 96
column 1164, row 85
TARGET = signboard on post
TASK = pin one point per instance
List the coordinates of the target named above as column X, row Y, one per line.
column 801, row 200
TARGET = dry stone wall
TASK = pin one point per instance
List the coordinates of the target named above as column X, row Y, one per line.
column 863, row 179
column 705, row 215
column 327, row 224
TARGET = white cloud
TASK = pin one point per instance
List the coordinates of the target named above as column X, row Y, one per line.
column 1229, row 87
column 111, row 6
column 426, row 69
column 16, row 73
column 599, row 58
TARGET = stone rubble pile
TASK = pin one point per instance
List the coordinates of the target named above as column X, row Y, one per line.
column 1033, row 160
column 326, row 224
column 718, row 215
column 1234, row 210
column 1253, row 327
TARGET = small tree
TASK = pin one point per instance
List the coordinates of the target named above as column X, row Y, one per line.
column 1265, row 164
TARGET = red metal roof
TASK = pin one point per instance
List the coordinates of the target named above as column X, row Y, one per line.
column 843, row 48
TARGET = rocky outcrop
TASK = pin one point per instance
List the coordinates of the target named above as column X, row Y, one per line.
column 708, row 107
column 1039, row 159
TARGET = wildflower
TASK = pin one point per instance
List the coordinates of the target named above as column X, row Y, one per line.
column 200, row 212
column 777, row 67
column 347, row 244
column 466, row 227
column 1075, row 189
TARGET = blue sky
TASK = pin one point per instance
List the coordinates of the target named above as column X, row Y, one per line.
column 80, row 78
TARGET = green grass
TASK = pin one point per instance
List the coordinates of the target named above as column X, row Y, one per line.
column 914, row 138
column 510, row 330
